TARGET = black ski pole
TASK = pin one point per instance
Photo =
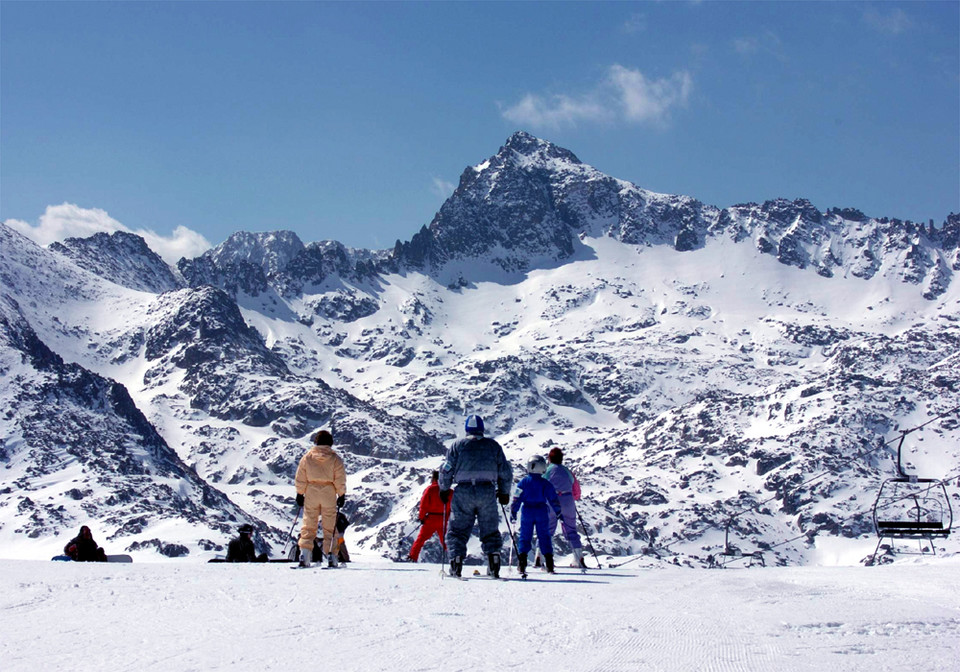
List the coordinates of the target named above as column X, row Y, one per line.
column 443, row 541
column 335, row 540
column 290, row 533
column 506, row 519
column 592, row 549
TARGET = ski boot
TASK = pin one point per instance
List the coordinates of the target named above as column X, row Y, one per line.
column 522, row 564
column 456, row 566
column 332, row 560
column 538, row 560
column 305, row 559
column 493, row 565
column 578, row 557
column 548, row 559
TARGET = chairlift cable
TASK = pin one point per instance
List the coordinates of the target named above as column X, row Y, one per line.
column 860, row 454
column 853, row 513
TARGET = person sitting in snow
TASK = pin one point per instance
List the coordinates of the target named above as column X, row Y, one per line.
column 533, row 493
column 433, row 516
column 321, row 490
column 82, row 548
column 242, row 549
column 568, row 490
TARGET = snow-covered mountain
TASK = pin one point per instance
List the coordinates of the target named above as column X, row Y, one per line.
column 697, row 365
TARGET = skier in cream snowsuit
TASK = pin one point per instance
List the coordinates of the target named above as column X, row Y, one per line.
column 477, row 466
column 321, row 489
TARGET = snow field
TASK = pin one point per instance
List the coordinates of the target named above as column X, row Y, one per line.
column 380, row 616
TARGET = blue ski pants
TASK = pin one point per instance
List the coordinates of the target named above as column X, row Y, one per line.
column 534, row 516
column 474, row 503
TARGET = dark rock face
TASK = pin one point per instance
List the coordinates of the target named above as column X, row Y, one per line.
column 65, row 415
column 122, row 258
column 255, row 263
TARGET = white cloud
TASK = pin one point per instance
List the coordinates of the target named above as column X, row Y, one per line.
column 625, row 95
column 893, row 22
column 647, row 100
column 767, row 43
column 637, row 23
column 442, row 188
column 556, row 111
column 746, row 45
column 60, row 222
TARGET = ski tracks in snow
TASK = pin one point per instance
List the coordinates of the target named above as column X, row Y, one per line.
column 376, row 616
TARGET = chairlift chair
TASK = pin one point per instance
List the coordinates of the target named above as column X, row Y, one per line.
column 732, row 551
column 909, row 507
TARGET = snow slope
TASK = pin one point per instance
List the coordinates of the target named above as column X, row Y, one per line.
column 697, row 366
column 379, row 616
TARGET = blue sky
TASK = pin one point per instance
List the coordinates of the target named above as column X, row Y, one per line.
column 353, row 121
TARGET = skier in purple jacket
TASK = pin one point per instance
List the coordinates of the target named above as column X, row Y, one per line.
column 568, row 490
column 534, row 493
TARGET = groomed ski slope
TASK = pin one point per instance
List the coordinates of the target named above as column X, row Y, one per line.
column 374, row 615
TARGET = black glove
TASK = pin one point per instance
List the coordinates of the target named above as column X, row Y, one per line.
column 340, row 500
column 444, row 496
column 299, row 499
column 503, row 498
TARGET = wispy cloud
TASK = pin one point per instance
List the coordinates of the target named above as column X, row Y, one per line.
column 892, row 22
column 60, row 222
column 746, row 45
column 650, row 101
column 443, row 188
column 637, row 23
column 625, row 95
column 767, row 43
column 557, row 111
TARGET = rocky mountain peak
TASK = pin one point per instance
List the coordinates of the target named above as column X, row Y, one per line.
column 271, row 250
column 122, row 258
column 533, row 147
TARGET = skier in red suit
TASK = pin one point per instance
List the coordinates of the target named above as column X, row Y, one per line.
column 433, row 516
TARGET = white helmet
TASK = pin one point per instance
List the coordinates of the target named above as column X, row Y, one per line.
column 537, row 465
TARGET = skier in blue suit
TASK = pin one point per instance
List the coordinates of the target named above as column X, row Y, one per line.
column 477, row 466
column 534, row 493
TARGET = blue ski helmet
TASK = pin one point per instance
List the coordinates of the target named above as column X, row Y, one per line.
column 474, row 425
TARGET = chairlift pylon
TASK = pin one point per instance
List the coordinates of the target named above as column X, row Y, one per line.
column 910, row 507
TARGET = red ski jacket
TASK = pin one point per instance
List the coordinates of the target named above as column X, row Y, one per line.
column 430, row 503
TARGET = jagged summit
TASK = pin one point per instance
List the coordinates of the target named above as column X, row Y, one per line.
column 122, row 258
column 531, row 146
column 271, row 250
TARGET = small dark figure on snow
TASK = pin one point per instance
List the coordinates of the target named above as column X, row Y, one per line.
column 534, row 493
column 433, row 516
column 477, row 466
column 82, row 548
column 242, row 549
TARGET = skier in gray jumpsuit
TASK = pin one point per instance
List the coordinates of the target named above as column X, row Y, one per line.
column 477, row 466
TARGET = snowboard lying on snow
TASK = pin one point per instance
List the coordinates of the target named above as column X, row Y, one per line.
column 255, row 562
column 110, row 558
